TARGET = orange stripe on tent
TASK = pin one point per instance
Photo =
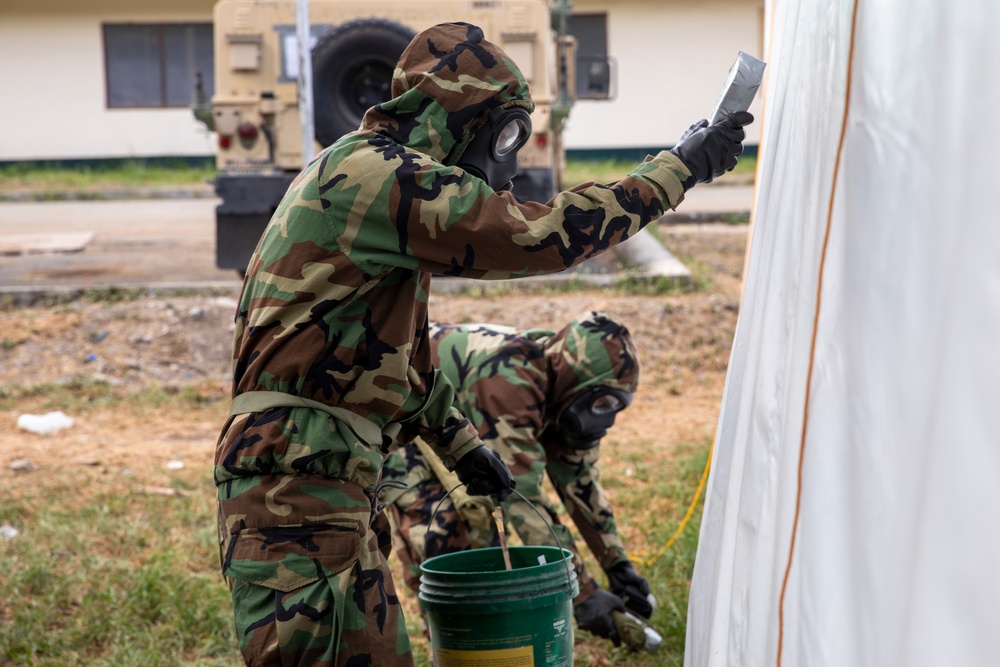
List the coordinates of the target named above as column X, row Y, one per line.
column 812, row 347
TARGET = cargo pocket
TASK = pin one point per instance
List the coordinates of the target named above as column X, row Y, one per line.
column 286, row 558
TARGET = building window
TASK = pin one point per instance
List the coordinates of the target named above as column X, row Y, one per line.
column 156, row 65
column 591, row 32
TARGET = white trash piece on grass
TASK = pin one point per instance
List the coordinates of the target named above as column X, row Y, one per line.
column 8, row 532
column 22, row 465
column 176, row 464
column 47, row 424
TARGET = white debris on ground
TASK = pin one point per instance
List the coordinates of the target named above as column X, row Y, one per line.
column 47, row 424
column 22, row 465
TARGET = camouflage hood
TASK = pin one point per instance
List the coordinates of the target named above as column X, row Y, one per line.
column 446, row 83
column 592, row 350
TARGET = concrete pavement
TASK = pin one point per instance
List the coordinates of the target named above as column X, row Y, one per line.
column 148, row 244
column 709, row 202
column 169, row 244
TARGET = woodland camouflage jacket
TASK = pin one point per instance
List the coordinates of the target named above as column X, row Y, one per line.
column 334, row 305
column 512, row 386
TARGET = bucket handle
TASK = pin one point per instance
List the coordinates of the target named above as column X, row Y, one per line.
column 545, row 520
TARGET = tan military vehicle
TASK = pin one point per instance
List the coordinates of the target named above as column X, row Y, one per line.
column 356, row 44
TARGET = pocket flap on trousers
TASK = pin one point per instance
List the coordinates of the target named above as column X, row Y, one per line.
column 289, row 557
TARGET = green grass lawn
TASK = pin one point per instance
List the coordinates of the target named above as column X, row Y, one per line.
column 103, row 572
column 129, row 174
column 608, row 171
column 39, row 178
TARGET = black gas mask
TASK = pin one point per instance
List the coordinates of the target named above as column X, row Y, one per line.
column 587, row 419
column 492, row 152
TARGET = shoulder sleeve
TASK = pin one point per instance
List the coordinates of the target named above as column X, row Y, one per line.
column 449, row 433
column 411, row 211
column 577, row 481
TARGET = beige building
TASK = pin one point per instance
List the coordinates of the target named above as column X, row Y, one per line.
column 113, row 78
column 54, row 71
column 672, row 58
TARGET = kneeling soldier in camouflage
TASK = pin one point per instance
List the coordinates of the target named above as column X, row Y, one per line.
column 543, row 401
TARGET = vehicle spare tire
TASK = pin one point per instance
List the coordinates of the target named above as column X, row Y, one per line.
column 352, row 71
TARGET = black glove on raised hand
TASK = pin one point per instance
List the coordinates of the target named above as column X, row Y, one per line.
column 485, row 474
column 594, row 615
column 631, row 587
column 709, row 151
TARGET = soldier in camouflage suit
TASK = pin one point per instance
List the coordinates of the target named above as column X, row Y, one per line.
column 524, row 392
column 331, row 358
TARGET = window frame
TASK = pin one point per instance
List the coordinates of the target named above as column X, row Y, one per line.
column 601, row 54
column 162, row 62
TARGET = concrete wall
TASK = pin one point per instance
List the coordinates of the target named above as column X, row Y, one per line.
column 52, row 77
column 673, row 57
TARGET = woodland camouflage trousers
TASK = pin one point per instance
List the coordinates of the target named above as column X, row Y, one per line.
column 346, row 613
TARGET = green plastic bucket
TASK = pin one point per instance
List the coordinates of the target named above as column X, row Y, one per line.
column 480, row 614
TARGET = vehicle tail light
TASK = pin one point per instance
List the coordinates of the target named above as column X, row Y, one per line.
column 247, row 131
column 225, row 141
column 541, row 140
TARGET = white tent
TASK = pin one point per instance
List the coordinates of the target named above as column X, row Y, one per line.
column 853, row 511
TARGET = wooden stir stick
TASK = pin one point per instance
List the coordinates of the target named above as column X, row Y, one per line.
column 498, row 519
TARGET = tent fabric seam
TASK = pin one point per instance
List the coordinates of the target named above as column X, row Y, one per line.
column 815, row 329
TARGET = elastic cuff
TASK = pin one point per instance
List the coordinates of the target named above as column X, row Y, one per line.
column 587, row 590
column 614, row 557
column 672, row 175
column 463, row 443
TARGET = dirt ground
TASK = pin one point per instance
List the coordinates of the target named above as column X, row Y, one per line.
column 146, row 382
column 181, row 344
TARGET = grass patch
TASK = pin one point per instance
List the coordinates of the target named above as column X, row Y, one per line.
column 105, row 573
column 653, row 495
column 124, row 578
column 598, row 171
column 608, row 171
column 130, row 173
column 623, row 284
column 82, row 392
column 41, row 177
column 114, row 294
column 735, row 218
column 111, row 294
column 664, row 285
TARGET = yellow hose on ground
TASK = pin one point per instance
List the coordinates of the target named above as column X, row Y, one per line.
column 642, row 556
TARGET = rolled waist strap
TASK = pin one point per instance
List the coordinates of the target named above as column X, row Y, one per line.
column 259, row 401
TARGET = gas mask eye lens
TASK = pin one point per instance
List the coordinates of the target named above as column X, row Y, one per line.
column 606, row 404
column 510, row 137
column 491, row 153
column 588, row 417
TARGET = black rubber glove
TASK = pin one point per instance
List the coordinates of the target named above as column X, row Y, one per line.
column 709, row 151
column 594, row 615
column 631, row 587
column 485, row 474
